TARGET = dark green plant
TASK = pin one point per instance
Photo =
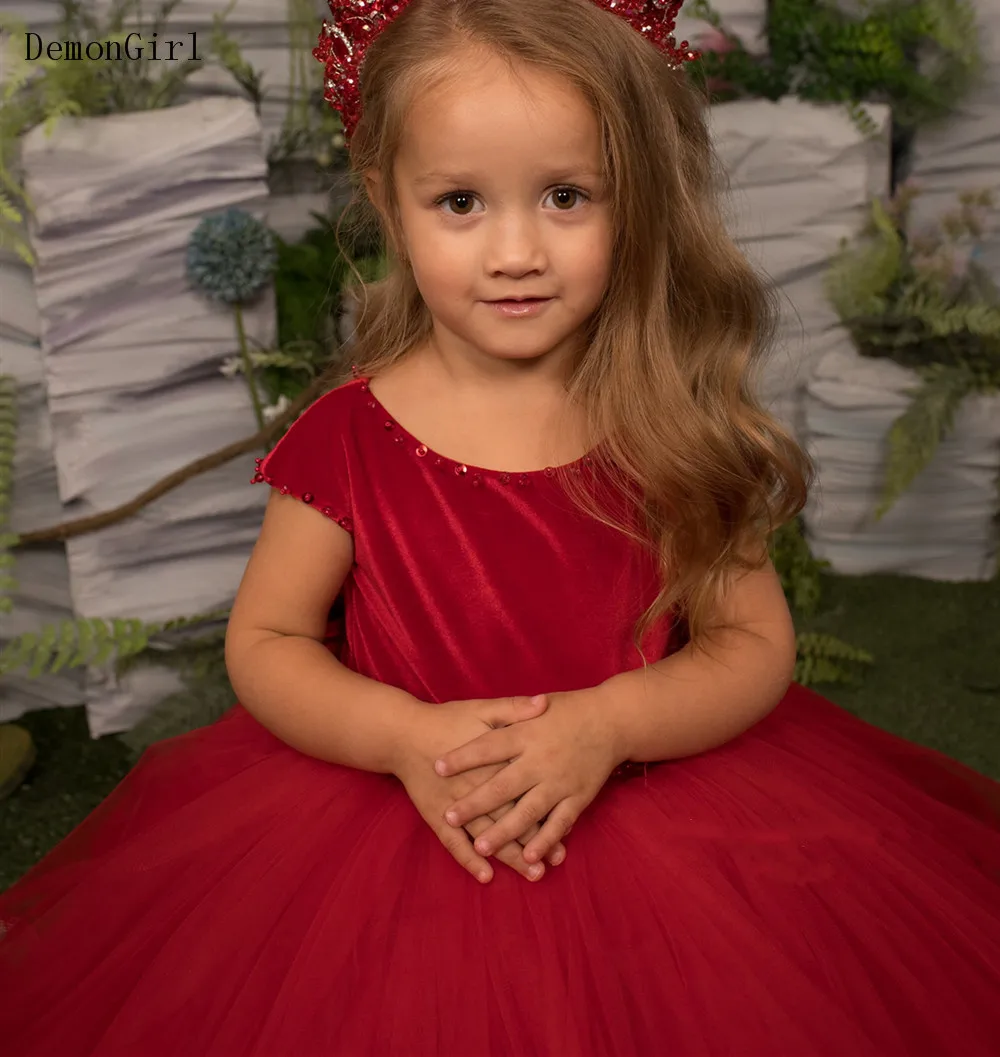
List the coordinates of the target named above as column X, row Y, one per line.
column 920, row 56
column 93, row 641
column 311, row 277
column 923, row 301
column 821, row 658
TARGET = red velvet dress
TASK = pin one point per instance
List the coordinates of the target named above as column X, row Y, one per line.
column 815, row 887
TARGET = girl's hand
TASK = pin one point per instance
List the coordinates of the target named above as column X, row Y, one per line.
column 449, row 724
column 559, row 761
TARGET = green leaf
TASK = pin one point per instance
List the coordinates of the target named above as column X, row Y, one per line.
column 916, row 434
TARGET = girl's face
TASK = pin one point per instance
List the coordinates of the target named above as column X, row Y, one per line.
column 501, row 196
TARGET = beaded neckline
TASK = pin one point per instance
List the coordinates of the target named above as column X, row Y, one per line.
column 477, row 474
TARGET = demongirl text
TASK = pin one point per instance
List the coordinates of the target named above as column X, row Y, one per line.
column 132, row 47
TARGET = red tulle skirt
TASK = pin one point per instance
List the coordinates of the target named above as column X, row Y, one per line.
column 816, row 887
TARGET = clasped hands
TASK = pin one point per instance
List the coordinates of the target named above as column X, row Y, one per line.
column 525, row 775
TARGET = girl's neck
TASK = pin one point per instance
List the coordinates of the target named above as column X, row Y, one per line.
column 521, row 420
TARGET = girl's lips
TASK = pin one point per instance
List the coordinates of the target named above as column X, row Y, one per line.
column 519, row 309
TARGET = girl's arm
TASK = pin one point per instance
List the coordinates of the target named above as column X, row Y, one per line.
column 691, row 702
column 283, row 674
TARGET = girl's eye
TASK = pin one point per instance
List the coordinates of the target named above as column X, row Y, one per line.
column 560, row 194
column 464, row 202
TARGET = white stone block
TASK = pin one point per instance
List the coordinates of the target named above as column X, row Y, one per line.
column 132, row 357
column 942, row 527
column 801, row 177
column 962, row 153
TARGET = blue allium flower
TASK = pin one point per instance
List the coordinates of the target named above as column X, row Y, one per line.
column 230, row 256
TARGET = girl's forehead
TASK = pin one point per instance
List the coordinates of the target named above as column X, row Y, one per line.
column 495, row 113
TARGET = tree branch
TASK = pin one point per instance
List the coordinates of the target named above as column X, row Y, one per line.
column 263, row 438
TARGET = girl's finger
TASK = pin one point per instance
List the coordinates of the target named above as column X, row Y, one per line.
column 549, row 839
column 459, row 843
column 505, row 711
column 558, row 853
column 509, row 783
column 530, row 809
column 511, row 854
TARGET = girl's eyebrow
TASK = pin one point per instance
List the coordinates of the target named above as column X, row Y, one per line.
column 564, row 173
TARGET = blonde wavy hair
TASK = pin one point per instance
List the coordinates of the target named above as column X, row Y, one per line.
column 671, row 368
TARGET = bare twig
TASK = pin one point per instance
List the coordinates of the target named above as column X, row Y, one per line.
column 263, row 438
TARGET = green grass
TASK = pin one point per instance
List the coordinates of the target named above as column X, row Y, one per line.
column 936, row 676
column 935, row 681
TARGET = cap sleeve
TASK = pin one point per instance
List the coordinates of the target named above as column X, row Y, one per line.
column 310, row 462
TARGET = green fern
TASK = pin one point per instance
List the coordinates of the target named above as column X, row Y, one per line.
column 820, row 658
column 8, row 436
column 800, row 573
column 89, row 641
column 860, row 276
column 916, row 435
column 823, row 658
column 920, row 56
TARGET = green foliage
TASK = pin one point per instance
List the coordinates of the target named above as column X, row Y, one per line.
column 860, row 277
column 85, row 642
column 917, row 433
column 799, row 571
column 820, row 658
column 8, row 433
column 923, row 301
column 921, row 56
column 41, row 91
column 311, row 277
column 826, row 659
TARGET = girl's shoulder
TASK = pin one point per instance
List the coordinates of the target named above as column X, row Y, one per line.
column 328, row 418
column 312, row 459
column 335, row 406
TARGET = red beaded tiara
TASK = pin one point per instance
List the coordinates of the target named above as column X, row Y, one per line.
column 356, row 23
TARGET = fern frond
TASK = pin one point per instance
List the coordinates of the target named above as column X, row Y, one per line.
column 860, row 276
column 863, row 120
column 89, row 641
column 823, row 658
column 917, row 433
column 799, row 572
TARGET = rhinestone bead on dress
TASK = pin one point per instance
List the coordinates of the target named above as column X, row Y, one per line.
column 422, row 451
column 462, row 470
column 308, row 497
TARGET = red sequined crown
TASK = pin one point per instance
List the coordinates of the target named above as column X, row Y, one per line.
column 356, row 23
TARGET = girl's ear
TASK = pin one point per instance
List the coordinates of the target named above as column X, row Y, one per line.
column 374, row 189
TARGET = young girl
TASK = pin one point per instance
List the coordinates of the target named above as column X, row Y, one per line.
column 549, row 477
